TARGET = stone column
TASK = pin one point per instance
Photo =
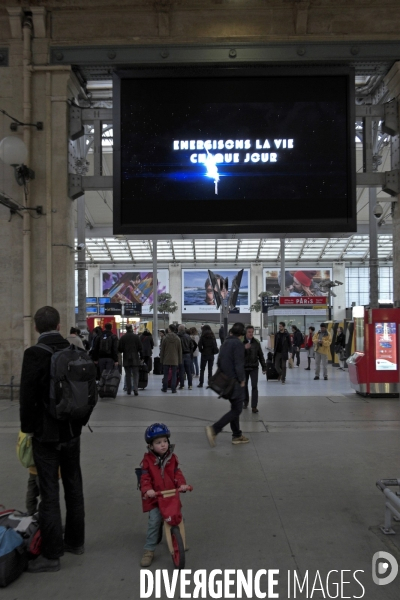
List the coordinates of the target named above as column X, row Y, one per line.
column 392, row 80
column 11, row 230
column 175, row 289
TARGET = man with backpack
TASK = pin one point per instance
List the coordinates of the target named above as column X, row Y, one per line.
column 53, row 414
column 105, row 349
column 131, row 348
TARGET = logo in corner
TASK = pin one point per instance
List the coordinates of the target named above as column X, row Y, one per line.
column 384, row 568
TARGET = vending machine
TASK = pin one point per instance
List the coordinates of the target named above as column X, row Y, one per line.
column 374, row 365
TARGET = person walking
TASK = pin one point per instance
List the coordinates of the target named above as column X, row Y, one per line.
column 221, row 334
column 56, row 444
column 310, row 347
column 147, row 344
column 208, row 348
column 231, row 363
column 297, row 343
column 105, row 349
column 130, row 346
column 195, row 364
column 170, row 357
column 73, row 338
column 282, row 347
column 253, row 356
column 187, row 357
column 340, row 343
column 322, row 341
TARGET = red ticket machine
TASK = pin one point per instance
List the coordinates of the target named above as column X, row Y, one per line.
column 374, row 366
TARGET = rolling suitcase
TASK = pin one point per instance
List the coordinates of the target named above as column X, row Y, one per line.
column 109, row 383
column 272, row 373
column 143, row 377
column 157, row 366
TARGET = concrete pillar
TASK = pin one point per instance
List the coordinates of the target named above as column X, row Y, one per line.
column 155, row 295
column 282, row 292
column 94, row 282
column 373, row 252
column 63, row 207
column 392, row 81
column 175, row 289
column 81, row 265
column 339, row 303
column 11, row 246
column 256, row 287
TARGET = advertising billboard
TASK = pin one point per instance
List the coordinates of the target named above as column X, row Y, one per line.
column 298, row 282
column 386, row 346
column 197, row 292
column 133, row 286
column 277, row 142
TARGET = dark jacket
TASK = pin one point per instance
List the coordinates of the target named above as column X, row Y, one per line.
column 187, row 343
column 35, row 392
column 97, row 353
column 340, row 340
column 147, row 344
column 221, row 334
column 253, row 355
column 131, row 348
column 208, row 344
column 297, row 339
column 171, row 350
column 231, row 358
column 284, row 337
column 159, row 474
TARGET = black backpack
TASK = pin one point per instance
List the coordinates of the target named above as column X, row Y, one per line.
column 73, row 390
column 106, row 343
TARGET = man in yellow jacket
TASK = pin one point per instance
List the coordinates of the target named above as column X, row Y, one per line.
column 322, row 341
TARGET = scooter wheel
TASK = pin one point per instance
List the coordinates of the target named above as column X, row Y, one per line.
column 178, row 556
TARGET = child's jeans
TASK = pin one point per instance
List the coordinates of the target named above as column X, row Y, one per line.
column 153, row 528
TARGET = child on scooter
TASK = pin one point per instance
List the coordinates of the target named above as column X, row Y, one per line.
column 160, row 471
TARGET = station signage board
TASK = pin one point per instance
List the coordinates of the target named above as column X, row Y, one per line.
column 115, row 309
column 319, row 301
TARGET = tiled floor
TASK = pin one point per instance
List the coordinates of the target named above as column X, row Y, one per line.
column 300, row 496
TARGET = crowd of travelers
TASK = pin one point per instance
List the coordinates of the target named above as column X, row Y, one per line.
column 56, row 441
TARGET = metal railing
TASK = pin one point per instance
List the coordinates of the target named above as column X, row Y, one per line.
column 392, row 505
column 10, row 385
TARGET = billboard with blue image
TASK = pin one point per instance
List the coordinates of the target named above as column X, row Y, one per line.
column 197, row 294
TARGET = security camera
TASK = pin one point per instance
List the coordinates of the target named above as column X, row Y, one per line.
column 338, row 282
column 81, row 246
column 378, row 211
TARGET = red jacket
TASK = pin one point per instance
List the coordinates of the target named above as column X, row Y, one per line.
column 159, row 475
column 309, row 340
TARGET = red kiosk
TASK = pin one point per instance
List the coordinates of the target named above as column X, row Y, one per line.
column 374, row 366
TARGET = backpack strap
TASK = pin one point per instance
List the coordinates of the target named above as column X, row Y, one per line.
column 44, row 347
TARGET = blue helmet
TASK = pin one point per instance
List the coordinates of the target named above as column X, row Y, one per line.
column 155, row 431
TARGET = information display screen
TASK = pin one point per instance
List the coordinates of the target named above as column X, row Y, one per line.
column 237, row 150
column 386, row 346
column 91, row 300
column 103, row 301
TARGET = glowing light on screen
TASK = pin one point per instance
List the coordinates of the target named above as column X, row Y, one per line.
column 212, row 169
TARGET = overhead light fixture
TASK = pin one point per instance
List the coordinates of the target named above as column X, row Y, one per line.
column 13, row 152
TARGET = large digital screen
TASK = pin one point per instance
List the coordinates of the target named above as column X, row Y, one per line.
column 133, row 286
column 197, row 293
column 241, row 150
column 386, row 346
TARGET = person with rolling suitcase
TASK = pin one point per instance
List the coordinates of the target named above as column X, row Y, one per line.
column 131, row 348
column 143, row 376
column 272, row 373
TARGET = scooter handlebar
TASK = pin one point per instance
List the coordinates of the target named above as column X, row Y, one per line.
column 172, row 492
